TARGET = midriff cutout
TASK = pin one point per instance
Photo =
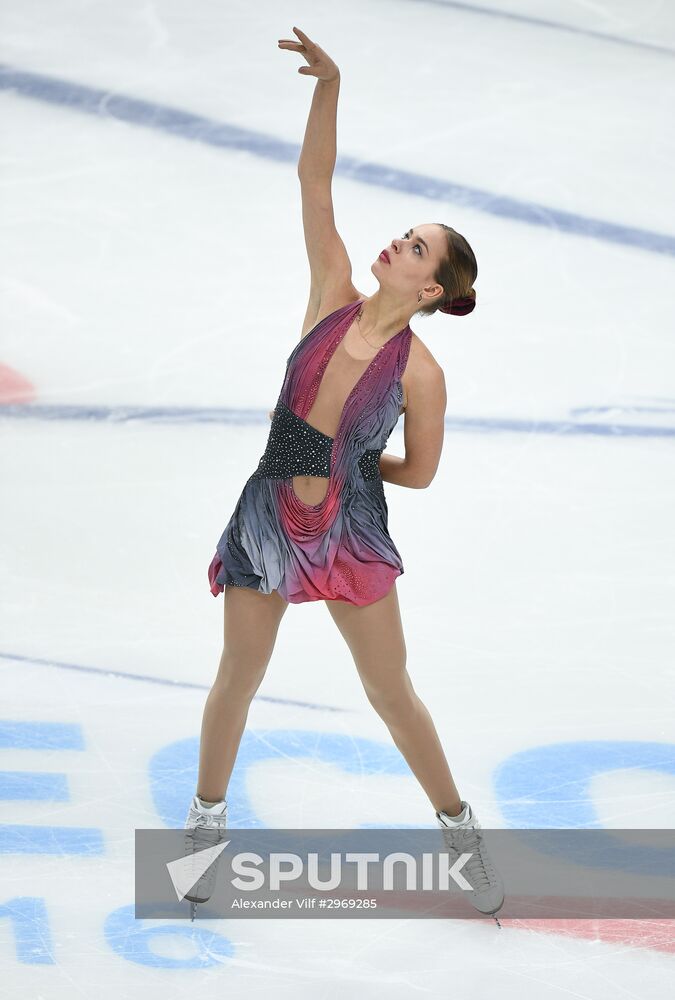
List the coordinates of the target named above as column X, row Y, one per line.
column 310, row 489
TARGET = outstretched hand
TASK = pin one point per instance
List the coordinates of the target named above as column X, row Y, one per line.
column 320, row 64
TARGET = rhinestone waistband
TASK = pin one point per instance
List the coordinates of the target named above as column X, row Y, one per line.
column 295, row 448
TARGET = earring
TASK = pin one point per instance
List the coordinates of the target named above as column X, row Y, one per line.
column 419, row 297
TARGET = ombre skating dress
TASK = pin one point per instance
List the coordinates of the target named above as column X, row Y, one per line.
column 340, row 548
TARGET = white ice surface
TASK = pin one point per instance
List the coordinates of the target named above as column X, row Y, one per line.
column 141, row 269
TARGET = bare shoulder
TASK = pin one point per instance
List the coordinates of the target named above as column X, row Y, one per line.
column 423, row 374
column 420, row 358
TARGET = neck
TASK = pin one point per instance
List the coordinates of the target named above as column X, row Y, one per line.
column 385, row 317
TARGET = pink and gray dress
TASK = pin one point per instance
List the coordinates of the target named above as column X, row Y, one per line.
column 340, row 548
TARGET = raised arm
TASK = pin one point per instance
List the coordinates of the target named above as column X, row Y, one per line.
column 330, row 267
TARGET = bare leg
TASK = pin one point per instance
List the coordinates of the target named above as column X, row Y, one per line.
column 251, row 624
column 374, row 634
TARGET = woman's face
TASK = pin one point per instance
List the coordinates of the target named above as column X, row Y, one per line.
column 413, row 260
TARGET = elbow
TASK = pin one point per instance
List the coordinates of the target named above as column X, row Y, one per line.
column 417, row 480
column 415, row 477
column 420, row 480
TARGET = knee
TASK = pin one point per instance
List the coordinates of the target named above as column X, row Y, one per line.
column 396, row 701
column 239, row 679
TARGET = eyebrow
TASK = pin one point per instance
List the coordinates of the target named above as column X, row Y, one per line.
column 412, row 233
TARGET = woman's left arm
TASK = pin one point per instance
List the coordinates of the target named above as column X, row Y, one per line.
column 423, row 429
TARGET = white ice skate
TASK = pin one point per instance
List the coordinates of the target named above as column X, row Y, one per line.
column 204, row 827
column 463, row 837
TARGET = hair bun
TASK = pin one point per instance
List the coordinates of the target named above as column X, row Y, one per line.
column 462, row 305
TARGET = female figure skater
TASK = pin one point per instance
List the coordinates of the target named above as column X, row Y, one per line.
column 311, row 522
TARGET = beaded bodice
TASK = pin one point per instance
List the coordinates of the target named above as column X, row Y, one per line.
column 295, row 448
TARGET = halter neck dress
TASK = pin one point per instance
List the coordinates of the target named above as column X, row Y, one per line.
column 338, row 549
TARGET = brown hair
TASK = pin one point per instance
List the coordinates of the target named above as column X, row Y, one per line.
column 456, row 272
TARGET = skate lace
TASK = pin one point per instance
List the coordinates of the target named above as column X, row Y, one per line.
column 478, row 870
column 207, row 819
column 206, row 830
